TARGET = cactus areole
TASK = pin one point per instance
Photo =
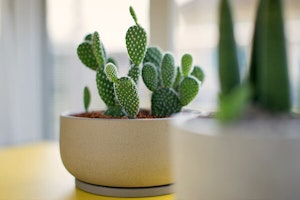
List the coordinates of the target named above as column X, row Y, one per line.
column 172, row 87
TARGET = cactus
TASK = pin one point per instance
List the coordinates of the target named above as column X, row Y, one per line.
column 92, row 54
column 198, row 73
column 161, row 80
column 125, row 89
column 172, row 87
column 154, row 55
column 86, row 98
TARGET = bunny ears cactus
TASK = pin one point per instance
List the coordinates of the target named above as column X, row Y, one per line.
column 125, row 90
column 172, row 87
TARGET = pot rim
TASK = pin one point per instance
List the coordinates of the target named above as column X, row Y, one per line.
column 69, row 114
column 251, row 128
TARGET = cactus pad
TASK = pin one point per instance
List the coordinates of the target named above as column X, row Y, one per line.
column 111, row 60
column 98, row 50
column 153, row 55
column 164, row 102
column 178, row 78
column 116, row 111
column 105, row 88
column 188, row 90
column 150, row 76
column 86, row 98
column 134, row 73
column 86, row 55
column 168, row 70
column 133, row 15
column 111, row 72
column 127, row 95
column 186, row 64
column 88, row 38
column 198, row 73
column 136, row 43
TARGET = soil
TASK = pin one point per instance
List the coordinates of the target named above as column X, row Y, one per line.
column 143, row 114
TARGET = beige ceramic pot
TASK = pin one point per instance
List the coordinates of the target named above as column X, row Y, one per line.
column 117, row 157
column 254, row 159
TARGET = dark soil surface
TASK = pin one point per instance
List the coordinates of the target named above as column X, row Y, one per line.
column 143, row 114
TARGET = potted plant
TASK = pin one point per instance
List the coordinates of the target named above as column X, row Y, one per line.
column 249, row 148
column 124, row 151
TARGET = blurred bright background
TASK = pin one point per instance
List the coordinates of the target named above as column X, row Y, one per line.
column 41, row 76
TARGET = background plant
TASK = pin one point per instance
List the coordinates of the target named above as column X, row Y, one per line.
column 268, row 83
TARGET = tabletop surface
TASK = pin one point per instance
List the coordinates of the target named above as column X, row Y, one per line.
column 36, row 172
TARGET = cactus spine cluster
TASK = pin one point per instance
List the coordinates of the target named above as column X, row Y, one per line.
column 268, row 84
column 173, row 87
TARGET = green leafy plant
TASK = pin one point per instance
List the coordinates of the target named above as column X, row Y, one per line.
column 172, row 88
column 267, row 86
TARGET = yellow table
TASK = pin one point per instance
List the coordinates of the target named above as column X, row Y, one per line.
column 35, row 172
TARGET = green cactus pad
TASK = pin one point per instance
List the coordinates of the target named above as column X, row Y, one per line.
column 127, row 94
column 198, row 73
column 134, row 73
column 133, row 15
column 186, row 64
column 105, row 88
column 88, row 38
column 136, row 43
column 188, row 90
column 86, row 55
column 153, row 55
column 116, row 111
column 165, row 102
column 86, row 98
column 150, row 76
column 98, row 50
column 111, row 72
column 168, row 70
column 178, row 78
column 112, row 60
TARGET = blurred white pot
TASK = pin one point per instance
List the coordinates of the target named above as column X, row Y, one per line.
column 255, row 159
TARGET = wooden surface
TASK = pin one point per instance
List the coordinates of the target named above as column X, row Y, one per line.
column 35, row 172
